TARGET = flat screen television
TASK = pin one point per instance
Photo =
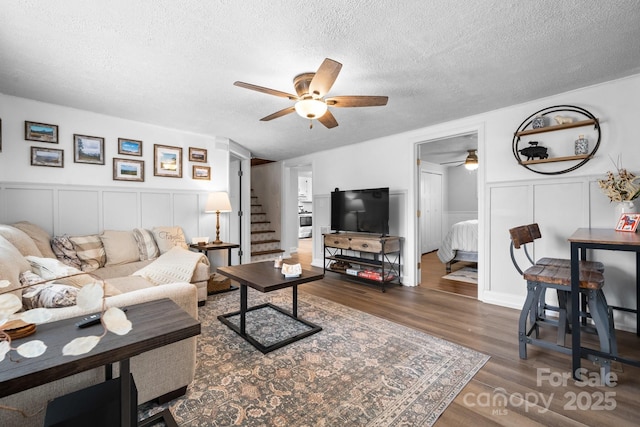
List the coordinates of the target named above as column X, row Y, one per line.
column 361, row 211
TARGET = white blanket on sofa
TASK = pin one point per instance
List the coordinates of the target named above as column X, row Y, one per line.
column 175, row 265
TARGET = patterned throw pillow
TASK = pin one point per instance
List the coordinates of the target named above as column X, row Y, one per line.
column 64, row 251
column 146, row 244
column 50, row 295
column 168, row 237
column 90, row 251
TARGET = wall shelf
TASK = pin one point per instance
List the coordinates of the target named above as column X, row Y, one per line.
column 555, row 159
column 558, row 127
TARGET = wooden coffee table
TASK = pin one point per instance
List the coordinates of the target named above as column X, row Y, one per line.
column 263, row 277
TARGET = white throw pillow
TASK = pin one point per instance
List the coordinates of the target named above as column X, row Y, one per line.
column 168, row 237
column 120, row 247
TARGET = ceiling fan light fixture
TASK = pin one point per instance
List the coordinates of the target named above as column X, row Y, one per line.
column 471, row 162
column 311, row 108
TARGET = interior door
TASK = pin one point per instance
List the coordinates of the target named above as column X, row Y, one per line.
column 430, row 210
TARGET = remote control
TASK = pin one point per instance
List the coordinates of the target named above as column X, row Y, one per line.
column 91, row 320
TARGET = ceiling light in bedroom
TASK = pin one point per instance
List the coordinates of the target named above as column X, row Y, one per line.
column 471, row 162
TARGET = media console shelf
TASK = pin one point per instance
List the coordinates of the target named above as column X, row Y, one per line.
column 370, row 258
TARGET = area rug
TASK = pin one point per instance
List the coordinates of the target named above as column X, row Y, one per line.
column 465, row 274
column 360, row 370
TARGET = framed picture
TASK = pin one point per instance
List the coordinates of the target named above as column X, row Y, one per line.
column 130, row 147
column 47, row 157
column 167, row 161
column 201, row 172
column 197, row 155
column 628, row 222
column 40, row 132
column 88, row 149
column 128, row 170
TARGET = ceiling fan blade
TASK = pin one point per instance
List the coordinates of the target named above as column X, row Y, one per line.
column 325, row 77
column 266, row 90
column 328, row 120
column 277, row 114
column 357, row 101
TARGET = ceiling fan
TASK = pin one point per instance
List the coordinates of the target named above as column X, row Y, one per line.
column 470, row 162
column 311, row 89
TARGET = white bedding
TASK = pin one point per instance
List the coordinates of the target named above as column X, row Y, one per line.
column 463, row 236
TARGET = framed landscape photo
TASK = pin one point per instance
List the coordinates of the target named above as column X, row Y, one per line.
column 128, row 170
column 130, row 147
column 197, row 155
column 40, row 132
column 201, row 172
column 47, row 157
column 628, row 222
column 88, row 149
column 167, row 161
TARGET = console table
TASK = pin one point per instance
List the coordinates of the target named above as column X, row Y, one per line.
column 155, row 324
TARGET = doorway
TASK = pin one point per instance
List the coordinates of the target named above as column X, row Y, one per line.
column 448, row 194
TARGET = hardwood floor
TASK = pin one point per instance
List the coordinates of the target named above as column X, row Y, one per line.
column 493, row 330
column 433, row 270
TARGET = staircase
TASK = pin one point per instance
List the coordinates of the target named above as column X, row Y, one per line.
column 264, row 245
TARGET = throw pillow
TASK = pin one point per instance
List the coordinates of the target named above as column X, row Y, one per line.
column 50, row 295
column 41, row 238
column 147, row 247
column 90, row 251
column 13, row 263
column 120, row 247
column 63, row 248
column 168, row 237
column 20, row 240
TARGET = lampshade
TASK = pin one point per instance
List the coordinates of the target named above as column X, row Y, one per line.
column 471, row 162
column 218, row 202
column 311, row 108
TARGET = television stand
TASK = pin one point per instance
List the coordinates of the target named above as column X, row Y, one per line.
column 370, row 258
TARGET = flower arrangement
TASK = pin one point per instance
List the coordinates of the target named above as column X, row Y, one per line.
column 622, row 186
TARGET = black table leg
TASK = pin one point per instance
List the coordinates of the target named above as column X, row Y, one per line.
column 637, row 292
column 295, row 301
column 243, row 308
column 575, row 310
column 125, row 394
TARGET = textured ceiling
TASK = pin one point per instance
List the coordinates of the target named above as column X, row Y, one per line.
column 173, row 63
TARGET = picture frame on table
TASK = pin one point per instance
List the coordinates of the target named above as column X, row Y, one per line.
column 40, row 132
column 129, row 147
column 50, row 157
column 197, row 155
column 88, row 149
column 128, row 170
column 628, row 222
column 167, row 161
column 201, row 172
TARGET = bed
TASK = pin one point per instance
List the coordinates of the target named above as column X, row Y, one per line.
column 460, row 244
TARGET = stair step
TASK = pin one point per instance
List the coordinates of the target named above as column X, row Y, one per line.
column 272, row 251
column 260, row 222
column 263, row 231
column 258, row 242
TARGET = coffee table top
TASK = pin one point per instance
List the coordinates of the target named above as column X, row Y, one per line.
column 155, row 324
column 264, row 277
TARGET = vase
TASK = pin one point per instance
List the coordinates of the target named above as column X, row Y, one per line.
column 624, row 207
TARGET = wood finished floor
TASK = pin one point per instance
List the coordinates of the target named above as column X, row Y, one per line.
column 493, row 330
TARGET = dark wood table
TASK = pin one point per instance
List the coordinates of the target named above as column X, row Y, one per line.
column 263, row 277
column 215, row 247
column 603, row 239
column 155, row 324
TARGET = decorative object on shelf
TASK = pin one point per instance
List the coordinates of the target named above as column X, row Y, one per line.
column 291, row 270
column 197, row 155
column 566, row 117
column 623, row 186
column 167, row 161
column 218, row 202
column 51, row 157
column 88, row 149
column 40, row 132
column 128, row 170
column 562, row 120
column 201, row 172
column 628, row 222
column 129, row 147
column 534, row 150
column 538, row 122
column 581, row 145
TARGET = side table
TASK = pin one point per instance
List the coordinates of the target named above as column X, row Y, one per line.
column 205, row 248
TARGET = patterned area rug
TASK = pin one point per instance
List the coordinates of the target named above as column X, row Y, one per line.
column 465, row 274
column 360, row 370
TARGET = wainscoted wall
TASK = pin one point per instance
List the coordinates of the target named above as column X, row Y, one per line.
column 78, row 210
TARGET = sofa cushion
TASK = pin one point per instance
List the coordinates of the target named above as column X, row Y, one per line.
column 18, row 238
column 90, row 251
column 121, row 270
column 147, row 247
column 129, row 283
column 65, row 252
column 120, row 247
column 169, row 237
column 13, row 263
column 40, row 237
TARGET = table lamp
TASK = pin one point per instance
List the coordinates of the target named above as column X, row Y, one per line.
column 218, row 202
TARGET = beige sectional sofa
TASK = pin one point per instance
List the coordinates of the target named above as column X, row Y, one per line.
column 162, row 373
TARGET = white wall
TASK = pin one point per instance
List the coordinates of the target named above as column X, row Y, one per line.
column 462, row 196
